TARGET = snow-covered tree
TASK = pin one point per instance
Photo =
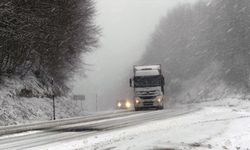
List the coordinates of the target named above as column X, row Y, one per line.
column 191, row 37
column 45, row 37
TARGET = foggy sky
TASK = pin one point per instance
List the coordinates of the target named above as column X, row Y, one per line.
column 126, row 29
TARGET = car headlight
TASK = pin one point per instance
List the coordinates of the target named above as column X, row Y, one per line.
column 119, row 104
column 128, row 104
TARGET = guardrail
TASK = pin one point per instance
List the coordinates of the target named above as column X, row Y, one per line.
column 54, row 123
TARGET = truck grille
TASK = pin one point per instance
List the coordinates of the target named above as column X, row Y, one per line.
column 147, row 97
column 150, row 103
column 148, row 93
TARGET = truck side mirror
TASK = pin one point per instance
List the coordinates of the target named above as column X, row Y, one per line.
column 163, row 81
column 130, row 82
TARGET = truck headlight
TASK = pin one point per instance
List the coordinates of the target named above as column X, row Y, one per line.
column 137, row 100
column 159, row 99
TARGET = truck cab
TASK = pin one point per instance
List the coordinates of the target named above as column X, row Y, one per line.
column 148, row 84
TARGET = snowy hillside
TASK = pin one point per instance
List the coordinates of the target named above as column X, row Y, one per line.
column 203, row 49
column 206, row 86
column 23, row 101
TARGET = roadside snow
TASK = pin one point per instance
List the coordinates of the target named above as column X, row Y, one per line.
column 20, row 110
column 223, row 124
column 19, row 134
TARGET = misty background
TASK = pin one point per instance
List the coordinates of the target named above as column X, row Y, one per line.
column 204, row 50
column 126, row 29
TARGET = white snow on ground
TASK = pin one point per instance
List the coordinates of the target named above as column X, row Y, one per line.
column 19, row 110
column 223, row 124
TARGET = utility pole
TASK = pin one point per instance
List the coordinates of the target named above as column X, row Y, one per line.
column 96, row 102
column 53, row 99
column 82, row 105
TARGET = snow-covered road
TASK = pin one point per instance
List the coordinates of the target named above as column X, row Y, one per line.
column 222, row 124
column 73, row 132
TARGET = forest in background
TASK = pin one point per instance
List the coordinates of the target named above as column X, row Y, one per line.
column 193, row 37
column 45, row 39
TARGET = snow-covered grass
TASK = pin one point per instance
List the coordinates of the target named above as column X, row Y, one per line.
column 222, row 124
column 18, row 110
column 206, row 86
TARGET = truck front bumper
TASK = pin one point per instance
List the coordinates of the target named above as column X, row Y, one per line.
column 149, row 104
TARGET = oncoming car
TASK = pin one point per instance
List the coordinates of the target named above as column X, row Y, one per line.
column 125, row 104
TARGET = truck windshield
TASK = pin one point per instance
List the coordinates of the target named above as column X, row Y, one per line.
column 147, row 81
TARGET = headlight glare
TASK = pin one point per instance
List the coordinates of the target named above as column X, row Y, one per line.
column 128, row 104
column 119, row 104
column 159, row 99
column 137, row 100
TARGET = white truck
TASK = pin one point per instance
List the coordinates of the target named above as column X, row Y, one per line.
column 148, row 83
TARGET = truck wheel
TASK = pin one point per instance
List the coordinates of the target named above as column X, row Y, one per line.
column 160, row 108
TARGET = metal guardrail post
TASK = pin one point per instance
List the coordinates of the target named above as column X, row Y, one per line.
column 53, row 99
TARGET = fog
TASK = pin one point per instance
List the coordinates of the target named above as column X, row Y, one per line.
column 126, row 28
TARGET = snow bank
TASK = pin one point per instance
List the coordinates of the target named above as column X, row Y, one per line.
column 15, row 109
